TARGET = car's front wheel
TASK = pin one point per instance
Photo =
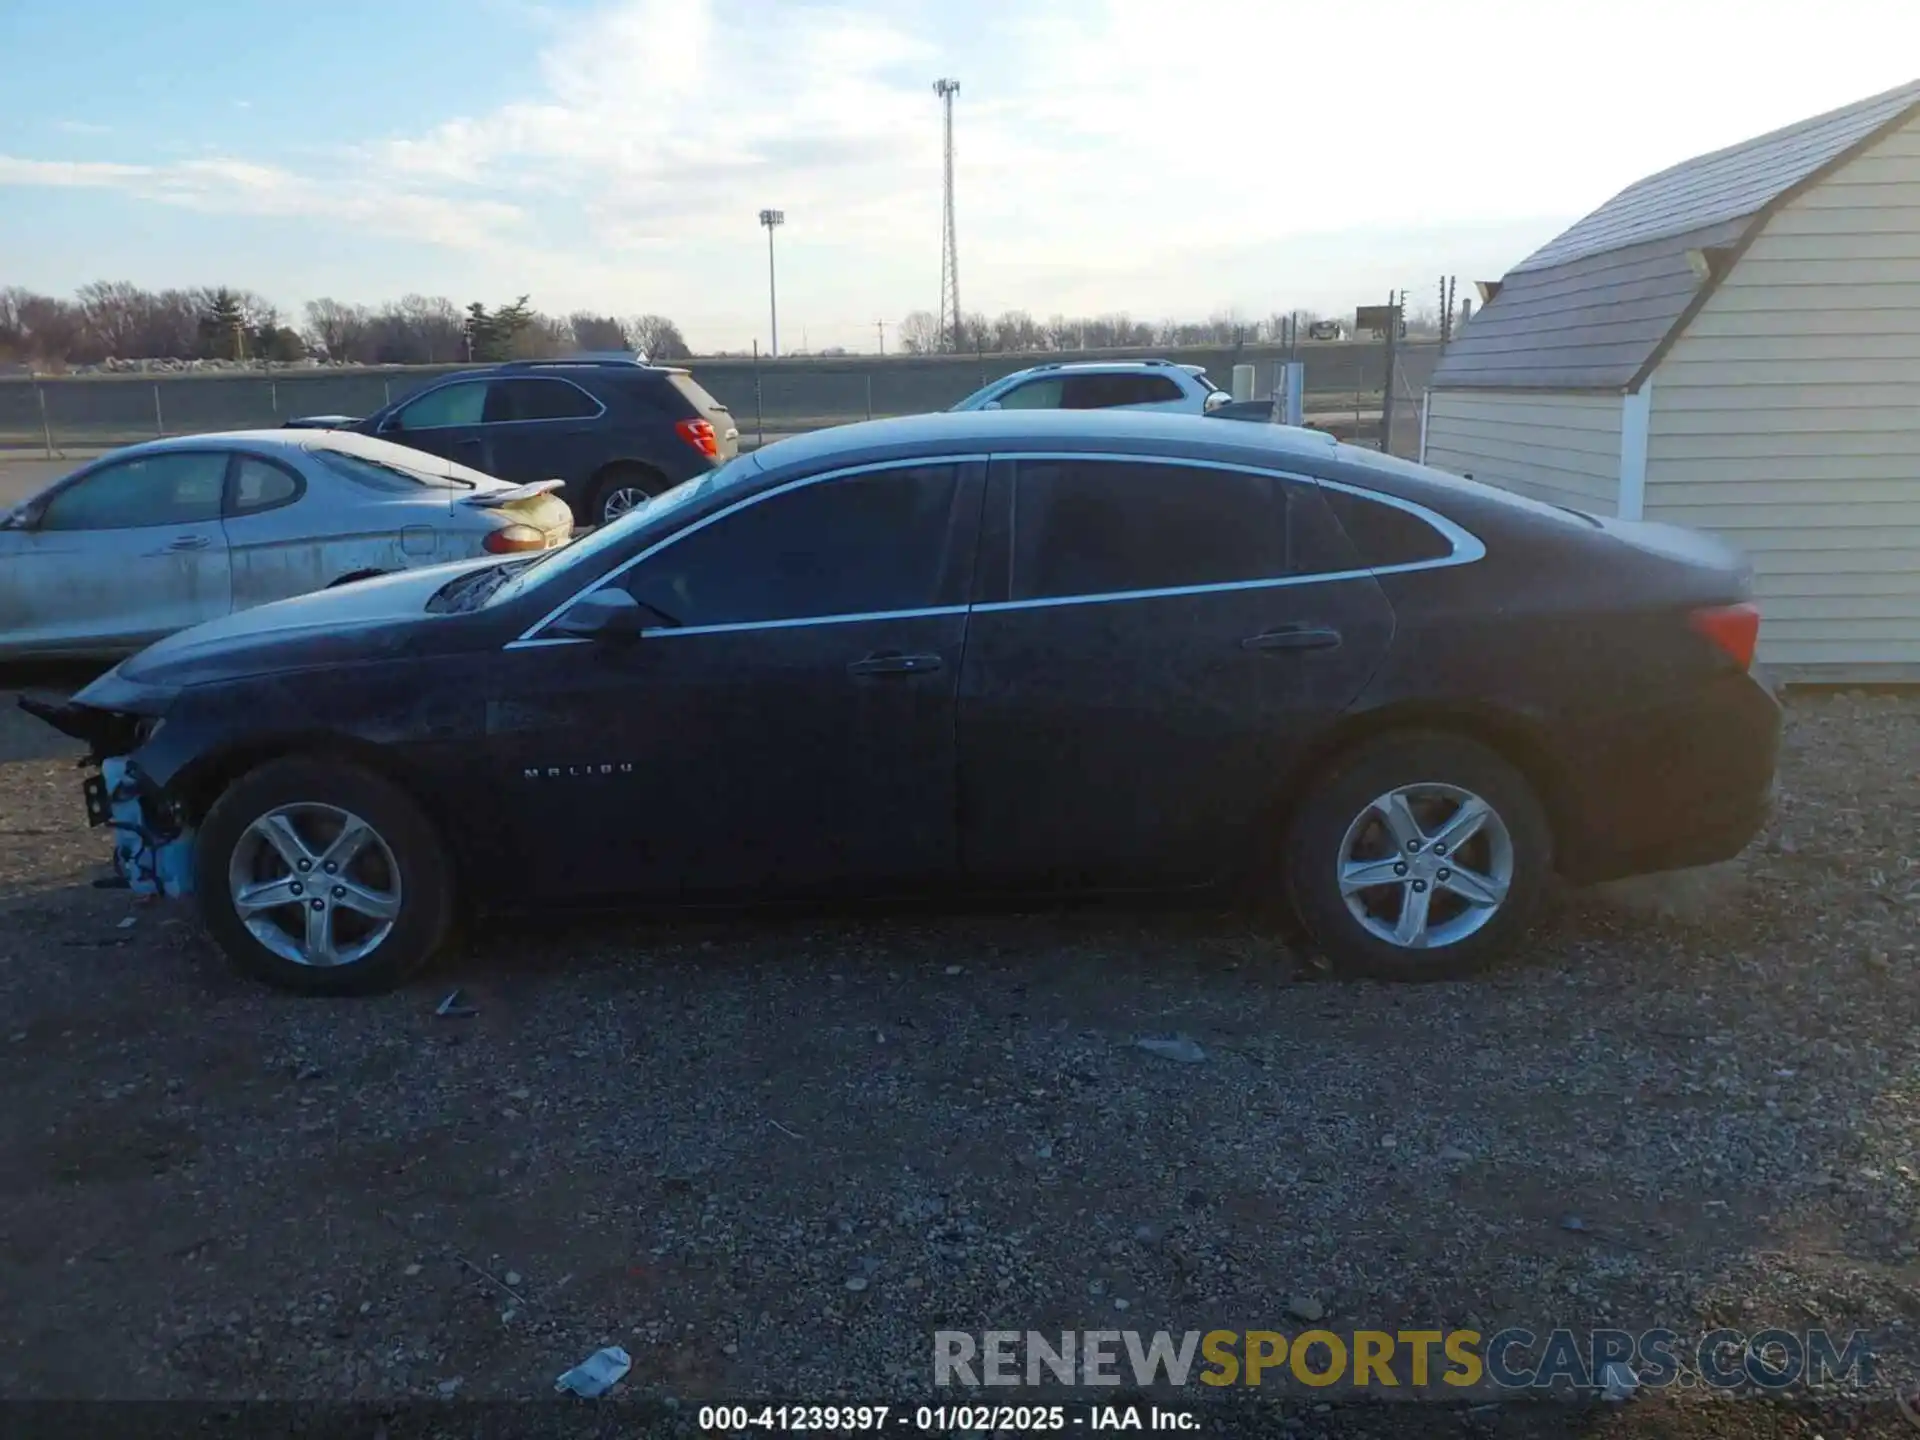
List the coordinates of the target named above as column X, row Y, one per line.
column 320, row 876
column 1419, row 857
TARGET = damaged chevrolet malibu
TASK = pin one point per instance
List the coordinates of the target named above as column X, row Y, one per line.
column 1007, row 653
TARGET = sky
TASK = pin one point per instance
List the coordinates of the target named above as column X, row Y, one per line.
column 1136, row 156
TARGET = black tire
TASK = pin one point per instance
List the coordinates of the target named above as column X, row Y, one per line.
column 615, row 481
column 407, row 845
column 1317, row 837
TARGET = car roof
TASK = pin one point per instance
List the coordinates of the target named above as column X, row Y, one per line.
column 984, row 430
column 267, row 439
column 1104, row 367
column 349, row 441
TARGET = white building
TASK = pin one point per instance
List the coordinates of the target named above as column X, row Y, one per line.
column 1732, row 344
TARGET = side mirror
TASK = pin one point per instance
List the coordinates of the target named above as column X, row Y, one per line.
column 1215, row 399
column 608, row 614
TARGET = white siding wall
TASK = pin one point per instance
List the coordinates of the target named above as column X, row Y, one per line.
column 1787, row 419
column 1562, row 448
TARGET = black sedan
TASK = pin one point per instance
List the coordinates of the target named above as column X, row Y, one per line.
column 1004, row 652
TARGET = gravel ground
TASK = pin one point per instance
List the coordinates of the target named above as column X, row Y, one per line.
column 770, row 1156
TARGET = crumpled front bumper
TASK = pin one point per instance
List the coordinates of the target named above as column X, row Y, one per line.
column 152, row 850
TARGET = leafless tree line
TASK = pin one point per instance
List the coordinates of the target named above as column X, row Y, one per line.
column 112, row 320
column 1015, row 330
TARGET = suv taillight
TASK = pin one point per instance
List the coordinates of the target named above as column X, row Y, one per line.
column 699, row 434
column 1734, row 628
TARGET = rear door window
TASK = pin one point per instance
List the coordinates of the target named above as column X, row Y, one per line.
column 527, row 398
column 1099, row 527
column 1106, row 392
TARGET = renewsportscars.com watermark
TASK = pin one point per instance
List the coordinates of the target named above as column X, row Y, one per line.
column 1512, row 1359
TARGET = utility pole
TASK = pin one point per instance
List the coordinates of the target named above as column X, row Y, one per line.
column 949, row 246
column 880, row 329
column 1396, row 307
column 770, row 219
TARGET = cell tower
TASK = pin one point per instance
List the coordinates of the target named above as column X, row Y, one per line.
column 949, row 247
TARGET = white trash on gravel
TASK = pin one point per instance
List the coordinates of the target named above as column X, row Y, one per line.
column 1618, row 1382
column 596, row 1374
column 1173, row 1047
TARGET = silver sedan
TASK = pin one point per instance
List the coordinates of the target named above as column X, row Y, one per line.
column 157, row 537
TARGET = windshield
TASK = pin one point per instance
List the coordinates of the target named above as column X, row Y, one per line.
column 553, row 564
column 981, row 394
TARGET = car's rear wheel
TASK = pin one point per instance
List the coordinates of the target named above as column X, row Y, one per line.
column 319, row 876
column 1419, row 857
column 621, row 490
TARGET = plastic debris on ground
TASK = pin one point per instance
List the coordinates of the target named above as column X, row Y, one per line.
column 1617, row 1381
column 1173, row 1047
column 455, row 1006
column 596, row 1374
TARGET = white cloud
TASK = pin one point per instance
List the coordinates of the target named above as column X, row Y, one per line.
column 233, row 186
column 1113, row 154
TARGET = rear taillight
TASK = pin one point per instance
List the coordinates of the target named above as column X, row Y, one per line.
column 1734, row 628
column 512, row 539
column 699, row 434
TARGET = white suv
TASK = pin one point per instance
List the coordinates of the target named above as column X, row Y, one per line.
column 1101, row 385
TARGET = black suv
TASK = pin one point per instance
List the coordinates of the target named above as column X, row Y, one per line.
column 617, row 431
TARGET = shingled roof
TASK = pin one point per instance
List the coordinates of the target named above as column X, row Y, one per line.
column 1596, row 308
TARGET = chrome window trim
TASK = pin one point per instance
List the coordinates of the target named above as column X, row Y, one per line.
column 531, row 635
column 1466, row 548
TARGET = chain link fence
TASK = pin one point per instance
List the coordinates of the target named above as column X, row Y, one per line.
column 52, row 416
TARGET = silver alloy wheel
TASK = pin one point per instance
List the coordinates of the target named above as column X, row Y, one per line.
column 1427, row 865
column 620, row 500
column 315, row 884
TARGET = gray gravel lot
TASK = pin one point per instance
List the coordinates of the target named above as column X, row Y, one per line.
column 771, row 1156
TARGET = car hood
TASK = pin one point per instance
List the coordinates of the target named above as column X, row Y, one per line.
column 361, row 620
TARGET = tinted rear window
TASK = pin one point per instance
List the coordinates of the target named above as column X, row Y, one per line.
column 695, row 394
column 1093, row 527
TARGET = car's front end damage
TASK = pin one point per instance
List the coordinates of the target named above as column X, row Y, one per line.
column 116, row 719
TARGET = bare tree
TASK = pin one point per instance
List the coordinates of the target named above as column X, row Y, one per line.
column 920, row 333
column 657, row 337
column 52, row 329
column 1063, row 333
column 1014, row 330
column 118, row 316
column 13, row 330
column 335, row 329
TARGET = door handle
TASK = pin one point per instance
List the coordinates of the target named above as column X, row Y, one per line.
column 188, row 542
column 1293, row 637
column 894, row 664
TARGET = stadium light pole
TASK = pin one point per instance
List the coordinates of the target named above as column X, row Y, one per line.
column 771, row 218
